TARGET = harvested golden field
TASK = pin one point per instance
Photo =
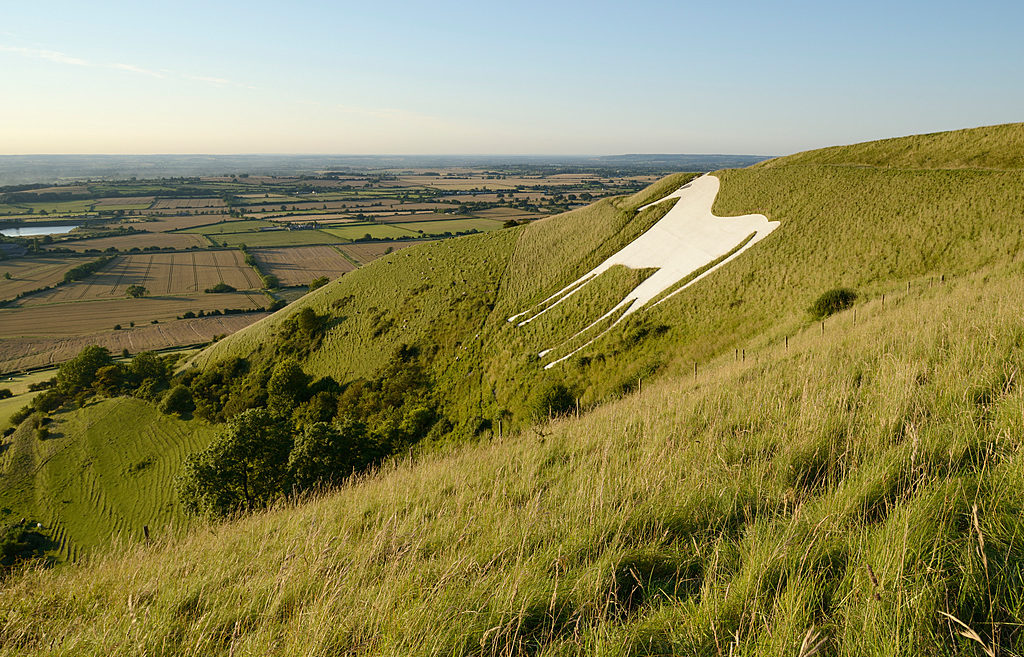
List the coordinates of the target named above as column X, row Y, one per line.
column 364, row 253
column 33, row 273
column 65, row 320
column 302, row 218
column 174, row 222
column 298, row 265
column 23, row 353
column 123, row 202
column 140, row 240
column 507, row 213
column 188, row 203
column 161, row 274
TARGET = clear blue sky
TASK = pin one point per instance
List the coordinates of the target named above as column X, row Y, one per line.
column 512, row 77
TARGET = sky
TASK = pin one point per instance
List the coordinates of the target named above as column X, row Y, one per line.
column 553, row 77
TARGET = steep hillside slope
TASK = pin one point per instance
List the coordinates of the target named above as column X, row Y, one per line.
column 863, row 487
column 869, row 226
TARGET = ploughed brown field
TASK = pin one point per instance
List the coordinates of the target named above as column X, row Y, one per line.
column 161, row 274
column 24, row 353
column 298, row 265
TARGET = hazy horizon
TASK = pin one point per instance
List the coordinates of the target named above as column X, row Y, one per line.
column 537, row 78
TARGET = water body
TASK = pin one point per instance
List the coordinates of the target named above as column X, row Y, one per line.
column 32, row 231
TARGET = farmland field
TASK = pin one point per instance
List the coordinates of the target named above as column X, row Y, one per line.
column 33, row 273
column 162, row 223
column 140, row 240
column 187, row 203
column 231, row 227
column 376, row 231
column 306, row 218
column 278, row 238
column 184, row 218
column 38, row 351
column 369, row 251
column 300, row 265
column 124, row 203
column 161, row 274
column 65, row 320
column 451, row 225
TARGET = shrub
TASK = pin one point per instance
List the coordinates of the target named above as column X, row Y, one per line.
column 551, row 399
column 5, row 393
column 136, row 291
column 219, row 288
column 832, row 302
column 178, row 400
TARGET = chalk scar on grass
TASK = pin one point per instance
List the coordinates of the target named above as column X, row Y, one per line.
column 688, row 238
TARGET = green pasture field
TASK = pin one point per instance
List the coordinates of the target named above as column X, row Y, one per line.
column 19, row 383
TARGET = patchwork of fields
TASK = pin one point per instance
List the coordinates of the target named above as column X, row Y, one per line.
column 161, row 274
column 185, row 236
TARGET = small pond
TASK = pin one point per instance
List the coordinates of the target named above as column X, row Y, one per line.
column 31, row 231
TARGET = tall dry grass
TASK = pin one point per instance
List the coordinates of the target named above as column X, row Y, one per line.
column 866, row 482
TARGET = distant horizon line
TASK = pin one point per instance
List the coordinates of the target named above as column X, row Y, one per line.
column 299, row 154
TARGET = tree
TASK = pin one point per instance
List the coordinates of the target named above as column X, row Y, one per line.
column 78, row 373
column 318, row 282
column 136, row 291
column 326, row 454
column 109, row 379
column 245, row 468
column 178, row 401
column 287, row 387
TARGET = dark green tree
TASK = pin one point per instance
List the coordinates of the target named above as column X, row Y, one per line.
column 325, row 454
column 287, row 388
column 245, row 468
column 178, row 401
column 79, row 373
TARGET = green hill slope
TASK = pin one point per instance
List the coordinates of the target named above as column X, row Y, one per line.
column 867, row 226
column 862, row 482
column 104, row 470
column 861, row 477
column 991, row 147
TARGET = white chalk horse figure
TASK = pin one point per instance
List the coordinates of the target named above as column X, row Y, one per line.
column 687, row 238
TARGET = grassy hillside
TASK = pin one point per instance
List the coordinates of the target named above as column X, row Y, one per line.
column 858, row 481
column 907, row 212
column 863, row 482
column 103, row 470
column 991, row 147
column 453, row 298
